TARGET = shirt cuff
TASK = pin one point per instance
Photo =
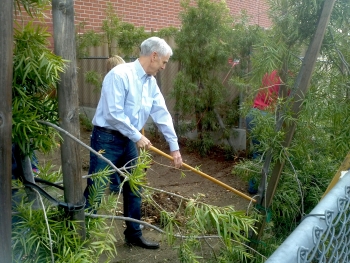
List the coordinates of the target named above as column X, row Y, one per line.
column 136, row 137
column 174, row 146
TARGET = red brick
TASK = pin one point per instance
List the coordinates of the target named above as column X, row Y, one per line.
column 151, row 15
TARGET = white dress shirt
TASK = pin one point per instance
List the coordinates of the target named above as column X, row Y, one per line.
column 128, row 97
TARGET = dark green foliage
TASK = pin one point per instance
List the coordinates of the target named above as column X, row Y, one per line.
column 203, row 40
column 85, row 122
column 86, row 41
column 203, row 145
column 203, row 49
column 130, row 38
column 36, row 72
column 122, row 38
column 167, row 32
column 31, row 7
column 36, row 68
column 321, row 140
column 94, row 78
column 49, row 235
column 295, row 20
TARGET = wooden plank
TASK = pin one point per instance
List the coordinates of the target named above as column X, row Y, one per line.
column 6, row 54
column 345, row 166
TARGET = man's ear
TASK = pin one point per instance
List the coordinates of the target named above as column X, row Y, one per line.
column 154, row 55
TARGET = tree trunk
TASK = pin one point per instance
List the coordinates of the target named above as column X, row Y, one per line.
column 68, row 106
column 6, row 67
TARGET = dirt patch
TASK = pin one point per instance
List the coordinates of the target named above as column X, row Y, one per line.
column 161, row 175
column 157, row 202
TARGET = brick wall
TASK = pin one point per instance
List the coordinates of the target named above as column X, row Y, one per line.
column 256, row 10
column 149, row 14
column 158, row 14
column 152, row 15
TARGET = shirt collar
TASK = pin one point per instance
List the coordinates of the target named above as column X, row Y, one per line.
column 141, row 73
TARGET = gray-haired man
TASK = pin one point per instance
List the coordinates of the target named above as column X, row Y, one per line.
column 130, row 95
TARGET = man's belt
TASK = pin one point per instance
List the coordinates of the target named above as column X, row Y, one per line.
column 110, row 131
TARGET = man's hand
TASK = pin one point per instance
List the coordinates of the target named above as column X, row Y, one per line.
column 177, row 158
column 143, row 142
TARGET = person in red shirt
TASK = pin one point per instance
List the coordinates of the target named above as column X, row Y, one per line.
column 267, row 96
column 264, row 102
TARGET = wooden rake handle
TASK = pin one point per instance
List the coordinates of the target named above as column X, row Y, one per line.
column 205, row 175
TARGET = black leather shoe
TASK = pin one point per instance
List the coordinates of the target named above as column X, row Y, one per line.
column 142, row 242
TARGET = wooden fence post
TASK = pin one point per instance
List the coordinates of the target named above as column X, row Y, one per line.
column 68, row 106
column 6, row 68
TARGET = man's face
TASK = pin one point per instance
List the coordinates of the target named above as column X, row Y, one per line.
column 158, row 63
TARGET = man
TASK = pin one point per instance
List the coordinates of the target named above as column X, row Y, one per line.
column 114, row 179
column 129, row 96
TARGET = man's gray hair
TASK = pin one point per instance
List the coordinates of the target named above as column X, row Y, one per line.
column 155, row 44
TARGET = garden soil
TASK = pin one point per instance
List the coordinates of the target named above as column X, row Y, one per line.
column 161, row 175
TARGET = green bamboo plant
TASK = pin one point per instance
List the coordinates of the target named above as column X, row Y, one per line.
column 36, row 72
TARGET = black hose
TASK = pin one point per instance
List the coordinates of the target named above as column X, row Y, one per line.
column 68, row 206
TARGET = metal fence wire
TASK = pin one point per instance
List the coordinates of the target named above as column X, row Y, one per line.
column 324, row 234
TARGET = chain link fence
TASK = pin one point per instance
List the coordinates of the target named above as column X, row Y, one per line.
column 324, row 234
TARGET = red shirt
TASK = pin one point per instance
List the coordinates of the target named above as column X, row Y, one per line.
column 268, row 93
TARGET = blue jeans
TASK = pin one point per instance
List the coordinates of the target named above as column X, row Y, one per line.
column 250, row 124
column 119, row 150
